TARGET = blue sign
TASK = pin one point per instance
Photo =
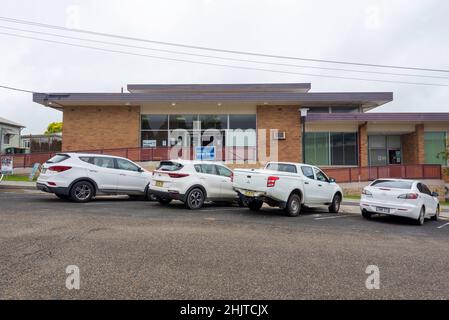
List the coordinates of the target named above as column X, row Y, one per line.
column 33, row 171
column 205, row 153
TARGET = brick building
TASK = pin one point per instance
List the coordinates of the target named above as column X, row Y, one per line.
column 339, row 130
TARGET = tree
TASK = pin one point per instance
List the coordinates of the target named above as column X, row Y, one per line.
column 54, row 127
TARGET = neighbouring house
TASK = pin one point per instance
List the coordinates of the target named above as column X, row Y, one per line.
column 33, row 143
column 9, row 134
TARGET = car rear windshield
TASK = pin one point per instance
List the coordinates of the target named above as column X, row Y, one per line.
column 58, row 158
column 392, row 184
column 283, row 167
column 169, row 166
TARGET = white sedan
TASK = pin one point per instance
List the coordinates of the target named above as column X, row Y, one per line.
column 403, row 198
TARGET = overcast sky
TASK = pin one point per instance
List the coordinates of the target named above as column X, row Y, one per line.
column 393, row 32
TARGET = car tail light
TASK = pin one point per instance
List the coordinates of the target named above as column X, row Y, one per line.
column 271, row 182
column 51, row 184
column 59, row 168
column 232, row 176
column 366, row 192
column 177, row 175
column 408, row 196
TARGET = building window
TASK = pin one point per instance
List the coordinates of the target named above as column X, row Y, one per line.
column 334, row 148
column 384, row 150
column 318, row 110
column 434, row 145
column 317, row 148
column 242, row 121
column 7, row 138
column 154, row 122
column 178, row 121
column 344, row 149
column 214, row 121
column 345, row 109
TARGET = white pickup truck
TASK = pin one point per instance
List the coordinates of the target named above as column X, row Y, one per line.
column 289, row 186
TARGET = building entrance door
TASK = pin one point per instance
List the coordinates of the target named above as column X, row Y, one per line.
column 394, row 156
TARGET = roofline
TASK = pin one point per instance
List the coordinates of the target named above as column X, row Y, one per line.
column 379, row 117
column 369, row 98
column 13, row 124
column 245, row 87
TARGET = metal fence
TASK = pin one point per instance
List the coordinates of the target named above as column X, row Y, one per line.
column 240, row 154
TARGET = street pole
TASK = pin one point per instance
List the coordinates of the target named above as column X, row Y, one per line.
column 303, row 122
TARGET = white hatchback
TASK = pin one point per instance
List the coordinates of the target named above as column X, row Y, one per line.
column 80, row 177
column 404, row 198
column 192, row 182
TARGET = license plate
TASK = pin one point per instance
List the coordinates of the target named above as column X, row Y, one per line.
column 159, row 183
column 382, row 210
column 249, row 193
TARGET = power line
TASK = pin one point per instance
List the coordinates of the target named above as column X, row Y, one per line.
column 223, row 58
column 27, row 22
column 17, row 89
column 222, row 65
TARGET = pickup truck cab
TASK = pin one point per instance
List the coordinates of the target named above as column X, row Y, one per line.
column 289, row 186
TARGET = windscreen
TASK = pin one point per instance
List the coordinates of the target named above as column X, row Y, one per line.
column 392, row 184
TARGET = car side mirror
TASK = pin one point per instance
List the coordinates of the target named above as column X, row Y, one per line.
column 140, row 170
column 332, row 180
column 435, row 194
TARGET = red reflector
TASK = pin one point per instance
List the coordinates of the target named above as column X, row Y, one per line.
column 271, row 182
column 177, row 175
column 51, row 183
column 59, row 168
column 232, row 176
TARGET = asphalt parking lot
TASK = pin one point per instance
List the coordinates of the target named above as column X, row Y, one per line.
column 141, row 250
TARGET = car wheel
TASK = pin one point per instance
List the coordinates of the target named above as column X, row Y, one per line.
column 366, row 214
column 420, row 220
column 62, row 196
column 241, row 202
column 164, row 201
column 437, row 214
column 82, row 191
column 335, row 205
column 293, row 205
column 255, row 205
column 195, row 199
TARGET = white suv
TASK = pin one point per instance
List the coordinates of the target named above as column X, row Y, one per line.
column 80, row 177
column 192, row 182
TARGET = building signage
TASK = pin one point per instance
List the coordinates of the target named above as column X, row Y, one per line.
column 7, row 165
column 149, row 143
column 36, row 167
column 205, row 153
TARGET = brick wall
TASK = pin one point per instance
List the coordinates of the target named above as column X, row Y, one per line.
column 363, row 145
column 283, row 118
column 413, row 146
column 100, row 127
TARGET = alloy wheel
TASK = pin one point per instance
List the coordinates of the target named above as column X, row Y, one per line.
column 82, row 192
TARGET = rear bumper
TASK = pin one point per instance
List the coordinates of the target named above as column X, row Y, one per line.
column 400, row 210
column 167, row 194
column 49, row 189
column 259, row 195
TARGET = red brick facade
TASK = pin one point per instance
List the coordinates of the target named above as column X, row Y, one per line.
column 100, row 127
column 413, row 146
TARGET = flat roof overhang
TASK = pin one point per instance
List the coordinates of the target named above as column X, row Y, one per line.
column 366, row 99
column 220, row 88
column 379, row 117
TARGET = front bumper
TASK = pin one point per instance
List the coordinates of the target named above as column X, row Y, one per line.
column 50, row 189
column 249, row 195
column 400, row 210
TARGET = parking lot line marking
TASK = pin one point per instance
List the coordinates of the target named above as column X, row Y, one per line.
column 333, row 217
column 446, row 224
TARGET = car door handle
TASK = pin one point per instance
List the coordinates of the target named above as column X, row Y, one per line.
column 320, row 185
column 93, row 170
column 122, row 174
column 306, row 182
column 203, row 178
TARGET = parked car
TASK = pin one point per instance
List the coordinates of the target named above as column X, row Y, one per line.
column 403, row 198
column 192, row 182
column 289, row 186
column 79, row 177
